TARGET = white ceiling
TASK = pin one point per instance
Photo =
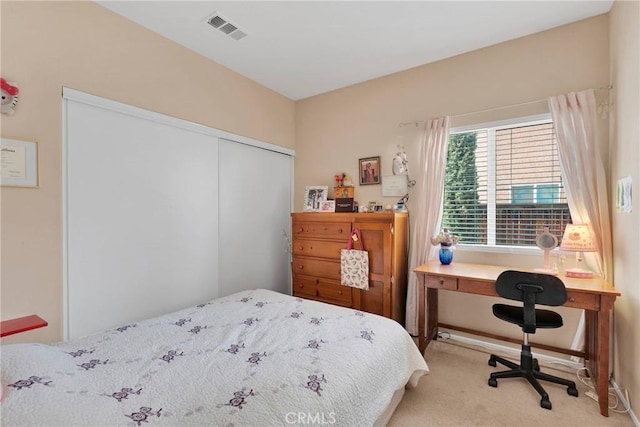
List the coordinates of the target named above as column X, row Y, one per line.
column 304, row 48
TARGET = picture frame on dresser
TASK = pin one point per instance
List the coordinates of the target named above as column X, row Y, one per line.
column 314, row 195
column 328, row 206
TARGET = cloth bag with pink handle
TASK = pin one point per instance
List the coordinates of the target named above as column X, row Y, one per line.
column 354, row 263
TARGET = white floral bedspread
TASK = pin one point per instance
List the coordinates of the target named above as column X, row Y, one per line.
column 255, row 358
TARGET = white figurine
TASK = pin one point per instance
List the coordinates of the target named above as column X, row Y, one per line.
column 401, row 164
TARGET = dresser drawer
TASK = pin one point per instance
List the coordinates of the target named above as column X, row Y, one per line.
column 323, row 230
column 316, row 267
column 324, row 290
column 334, row 292
column 442, row 282
column 318, row 248
column 305, row 286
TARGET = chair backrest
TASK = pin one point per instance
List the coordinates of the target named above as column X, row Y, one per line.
column 547, row 289
column 532, row 289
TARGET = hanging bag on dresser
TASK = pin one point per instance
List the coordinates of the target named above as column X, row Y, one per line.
column 354, row 263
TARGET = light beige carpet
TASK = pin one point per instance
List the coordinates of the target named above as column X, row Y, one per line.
column 456, row 393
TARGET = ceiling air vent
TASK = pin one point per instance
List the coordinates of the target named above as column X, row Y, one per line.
column 216, row 21
column 221, row 23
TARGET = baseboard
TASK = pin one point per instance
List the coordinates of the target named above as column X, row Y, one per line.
column 501, row 348
column 625, row 403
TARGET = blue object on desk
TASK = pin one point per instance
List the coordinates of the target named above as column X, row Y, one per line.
column 445, row 254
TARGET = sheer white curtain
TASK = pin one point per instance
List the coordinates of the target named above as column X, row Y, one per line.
column 432, row 161
column 575, row 120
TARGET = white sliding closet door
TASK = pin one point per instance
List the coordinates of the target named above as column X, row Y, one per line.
column 255, row 209
column 141, row 211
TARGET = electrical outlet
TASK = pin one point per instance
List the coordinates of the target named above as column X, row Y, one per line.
column 592, row 394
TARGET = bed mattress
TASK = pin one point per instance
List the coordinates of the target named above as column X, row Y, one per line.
column 254, row 358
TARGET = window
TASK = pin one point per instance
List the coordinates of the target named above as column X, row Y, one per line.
column 503, row 183
column 535, row 193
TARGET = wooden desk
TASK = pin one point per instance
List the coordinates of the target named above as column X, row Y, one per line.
column 595, row 296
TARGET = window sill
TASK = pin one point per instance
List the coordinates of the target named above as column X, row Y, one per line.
column 516, row 250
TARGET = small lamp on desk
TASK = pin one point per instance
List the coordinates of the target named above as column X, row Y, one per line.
column 577, row 238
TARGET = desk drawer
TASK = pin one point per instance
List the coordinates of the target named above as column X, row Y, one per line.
column 323, row 230
column 442, row 282
column 477, row 287
column 582, row 300
column 318, row 248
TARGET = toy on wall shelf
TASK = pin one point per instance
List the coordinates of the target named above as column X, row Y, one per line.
column 401, row 165
column 401, row 162
column 9, row 96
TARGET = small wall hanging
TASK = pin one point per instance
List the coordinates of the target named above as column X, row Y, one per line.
column 18, row 163
column 9, row 96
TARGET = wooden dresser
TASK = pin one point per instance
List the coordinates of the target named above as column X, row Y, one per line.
column 316, row 242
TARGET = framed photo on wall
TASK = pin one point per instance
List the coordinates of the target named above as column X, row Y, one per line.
column 369, row 170
column 314, row 195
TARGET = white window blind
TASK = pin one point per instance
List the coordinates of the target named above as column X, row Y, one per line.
column 503, row 184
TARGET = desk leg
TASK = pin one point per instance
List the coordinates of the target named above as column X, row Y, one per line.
column 421, row 342
column 431, row 314
column 597, row 349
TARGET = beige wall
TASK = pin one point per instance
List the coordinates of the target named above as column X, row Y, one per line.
column 80, row 45
column 333, row 130
column 624, row 22
column 48, row 45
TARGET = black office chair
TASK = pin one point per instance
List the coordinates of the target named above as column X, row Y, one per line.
column 532, row 289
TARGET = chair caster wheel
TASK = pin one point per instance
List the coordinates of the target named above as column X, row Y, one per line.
column 536, row 365
column 493, row 383
column 572, row 391
column 492, row 362
column 546, row 404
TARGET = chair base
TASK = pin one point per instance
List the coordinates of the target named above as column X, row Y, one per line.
column 529, row 368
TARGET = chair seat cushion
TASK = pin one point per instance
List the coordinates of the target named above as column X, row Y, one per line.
column 544, row 318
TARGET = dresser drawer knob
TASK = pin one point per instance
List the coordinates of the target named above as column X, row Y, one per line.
column 572, row 299
column 300, row 267
column 441, row 281
column 301, row 285
column 339, row 230
column 339, row 292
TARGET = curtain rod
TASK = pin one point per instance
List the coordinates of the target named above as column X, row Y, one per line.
column 417, row 122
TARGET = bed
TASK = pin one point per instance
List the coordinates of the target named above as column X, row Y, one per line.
column 255, row 358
